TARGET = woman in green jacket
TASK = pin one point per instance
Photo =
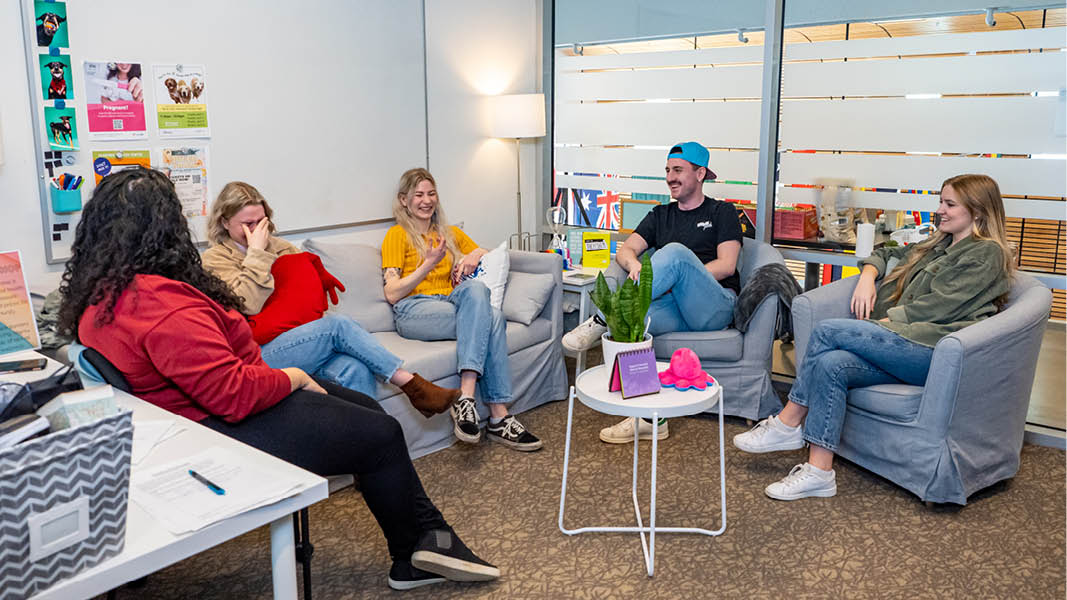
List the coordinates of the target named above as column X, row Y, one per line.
column 959, row 276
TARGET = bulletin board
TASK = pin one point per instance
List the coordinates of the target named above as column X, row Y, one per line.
column 320, row 105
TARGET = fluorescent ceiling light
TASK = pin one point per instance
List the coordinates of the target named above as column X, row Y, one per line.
column 1050, row 156
column 921, row 96
column 658, row 100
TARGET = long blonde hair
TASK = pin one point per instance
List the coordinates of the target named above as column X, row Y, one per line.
column 438, row 222
column 234, row 196
column 980, row 195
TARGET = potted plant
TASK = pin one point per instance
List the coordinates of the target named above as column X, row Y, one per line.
column 625, row 311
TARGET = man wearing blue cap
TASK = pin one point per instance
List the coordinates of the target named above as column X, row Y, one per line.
column 695, row 282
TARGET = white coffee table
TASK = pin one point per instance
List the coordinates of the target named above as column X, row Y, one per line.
column 591, row 388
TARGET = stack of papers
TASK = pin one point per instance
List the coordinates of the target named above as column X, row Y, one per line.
column 149, row 434
column 182, row 504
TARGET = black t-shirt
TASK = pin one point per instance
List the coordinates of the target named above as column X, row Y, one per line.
column 701, row 230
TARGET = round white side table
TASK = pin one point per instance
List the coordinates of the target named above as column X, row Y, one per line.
column 591, row 389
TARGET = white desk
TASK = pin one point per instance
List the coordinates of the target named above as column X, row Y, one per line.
column 151, row 547
column 591, row 388
column 576, row 283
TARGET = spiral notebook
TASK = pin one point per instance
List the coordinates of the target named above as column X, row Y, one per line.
column 634, row 373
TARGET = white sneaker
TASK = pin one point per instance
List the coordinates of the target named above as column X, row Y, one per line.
column 770, row 435
column 804, row 481
column 584, row 336
column 623, row 431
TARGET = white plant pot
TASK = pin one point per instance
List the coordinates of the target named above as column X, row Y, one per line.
column 611, row 348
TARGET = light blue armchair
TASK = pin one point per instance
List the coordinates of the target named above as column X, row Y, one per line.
column 740, row 362
column 963, row 430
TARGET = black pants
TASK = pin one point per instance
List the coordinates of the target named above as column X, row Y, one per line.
column 340, row 433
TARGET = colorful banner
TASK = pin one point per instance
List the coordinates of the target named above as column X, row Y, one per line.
column 50, row 19
column 61, row 128
column 57, row 80
column 18, row 327
column 187, row 168
column 114, row 96
column 181, row 100
column 106, row 162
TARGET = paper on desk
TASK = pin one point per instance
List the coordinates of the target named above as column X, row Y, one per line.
column 149, row 434
column 183, row 504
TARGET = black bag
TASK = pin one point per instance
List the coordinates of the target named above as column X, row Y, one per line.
column 22, row 399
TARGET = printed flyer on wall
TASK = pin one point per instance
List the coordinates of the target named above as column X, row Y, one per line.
column 106, row 162
column 114, row 96
column 187, row 168
column 181, row 100
column 18, row 328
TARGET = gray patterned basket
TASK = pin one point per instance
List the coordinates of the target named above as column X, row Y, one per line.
column 87, row 463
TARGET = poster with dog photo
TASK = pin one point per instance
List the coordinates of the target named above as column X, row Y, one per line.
column 114, row 98
column 57, row 81
column 187, row 169
column 61, row 128
column 181, row 100
column 51, row 21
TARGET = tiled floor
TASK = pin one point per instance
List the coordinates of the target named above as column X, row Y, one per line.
column 1048, row 400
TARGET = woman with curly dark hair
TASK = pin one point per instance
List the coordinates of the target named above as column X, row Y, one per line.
column 134, row 290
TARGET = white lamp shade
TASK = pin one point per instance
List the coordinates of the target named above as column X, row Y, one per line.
column 517, row 116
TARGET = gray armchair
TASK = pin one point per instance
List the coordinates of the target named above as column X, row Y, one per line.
column 963, row 430
column 740, row 362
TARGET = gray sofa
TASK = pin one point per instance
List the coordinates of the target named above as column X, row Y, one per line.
column 534, row 351
column 741, row 362
column 963, row 429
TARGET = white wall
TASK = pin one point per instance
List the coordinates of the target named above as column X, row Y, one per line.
column 477, row 48
column 474, row 48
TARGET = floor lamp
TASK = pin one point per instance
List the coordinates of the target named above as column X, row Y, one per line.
column 517, row 116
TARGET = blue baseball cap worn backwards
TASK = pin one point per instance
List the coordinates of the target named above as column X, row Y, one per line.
column 695, row 153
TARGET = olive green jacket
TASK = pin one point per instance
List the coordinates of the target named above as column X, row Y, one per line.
column 949, row 289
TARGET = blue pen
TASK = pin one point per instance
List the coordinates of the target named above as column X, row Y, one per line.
column 205, row 481
column 77, row 183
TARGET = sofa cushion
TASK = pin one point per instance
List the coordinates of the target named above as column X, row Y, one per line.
column 359, row 267
column 726, row 345
column 522, row 336
column 493, row 272
column 526, row 295
column 897, row 401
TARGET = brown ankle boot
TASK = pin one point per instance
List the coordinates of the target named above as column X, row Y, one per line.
column 427, row 398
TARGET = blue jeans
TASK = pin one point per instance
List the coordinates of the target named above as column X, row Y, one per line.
column 335, row 348
column 849, row 353
column 466, row 316
column 685, row 296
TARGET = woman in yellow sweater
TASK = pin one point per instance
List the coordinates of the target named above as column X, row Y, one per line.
column 425, row 264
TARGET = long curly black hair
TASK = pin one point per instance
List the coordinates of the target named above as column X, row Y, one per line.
column 133, row 225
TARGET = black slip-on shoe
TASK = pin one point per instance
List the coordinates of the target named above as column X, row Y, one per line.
column 441, row 551
column 403, row 576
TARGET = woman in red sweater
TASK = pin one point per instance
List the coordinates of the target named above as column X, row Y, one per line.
column 134, row 290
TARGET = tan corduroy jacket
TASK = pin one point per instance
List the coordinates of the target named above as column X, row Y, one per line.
column 247, row 273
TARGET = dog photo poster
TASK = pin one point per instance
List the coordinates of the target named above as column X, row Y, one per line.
column 57, row 81
column 114, row 98
column 106, row 162
column 51, row 21
column 187, row 169
column 181, row 100
column 61, row 128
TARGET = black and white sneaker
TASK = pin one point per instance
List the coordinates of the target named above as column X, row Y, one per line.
column 465, row 416
column 403, row 576
column 512, row 434
column 441, row 551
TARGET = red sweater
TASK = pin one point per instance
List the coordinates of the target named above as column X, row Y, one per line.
column 182, row 351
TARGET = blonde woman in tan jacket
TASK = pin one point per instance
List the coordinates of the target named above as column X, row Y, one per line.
column 243, row 253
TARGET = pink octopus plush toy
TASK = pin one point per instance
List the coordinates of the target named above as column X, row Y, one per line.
column 684, row 372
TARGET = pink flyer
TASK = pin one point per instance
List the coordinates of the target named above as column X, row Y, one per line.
column 114, row 94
